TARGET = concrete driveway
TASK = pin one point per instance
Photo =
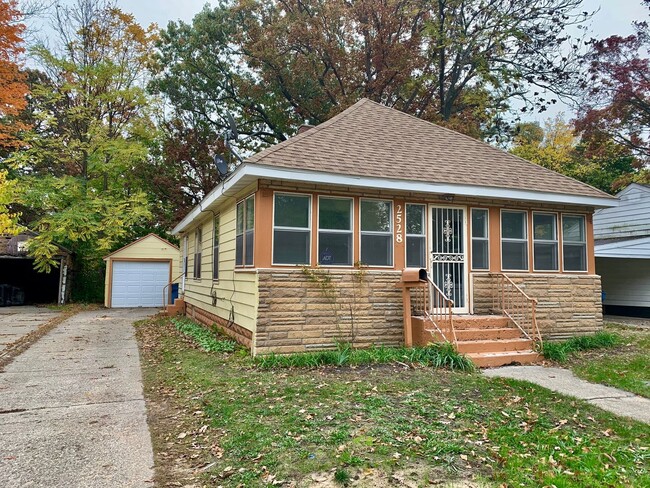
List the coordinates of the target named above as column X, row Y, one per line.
column 17, row 322
column 72, row 411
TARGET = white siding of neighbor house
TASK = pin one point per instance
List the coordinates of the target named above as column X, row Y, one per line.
column 631, row 218
column 234, row 288
column 629, row 248
column 626, row 282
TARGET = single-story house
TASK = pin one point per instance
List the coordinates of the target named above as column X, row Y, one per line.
column 306, row 242
column 140, row 274
column 622, row 252
column 21, row 284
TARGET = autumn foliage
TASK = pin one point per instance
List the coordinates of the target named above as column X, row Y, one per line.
column 12, row 82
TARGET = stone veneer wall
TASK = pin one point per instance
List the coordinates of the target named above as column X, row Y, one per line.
column 298, row 313
column 567, row 305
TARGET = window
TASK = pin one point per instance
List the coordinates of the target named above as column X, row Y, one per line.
column 291, row 228
column 545, row 245
column 377, row 232
column 574, row 243
column 198, row 238
column 514, row 240
column 335, row 231
column 480, row 239
column 416, row 255
column 186, row 241
column 245, row 232
column 215, row 250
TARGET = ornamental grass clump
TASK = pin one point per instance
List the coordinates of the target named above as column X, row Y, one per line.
column 434, row 355
column 560, row 351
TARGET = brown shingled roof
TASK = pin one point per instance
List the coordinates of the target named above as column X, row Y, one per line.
column 369, row 139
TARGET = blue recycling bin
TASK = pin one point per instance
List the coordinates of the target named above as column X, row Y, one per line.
column 174, row 292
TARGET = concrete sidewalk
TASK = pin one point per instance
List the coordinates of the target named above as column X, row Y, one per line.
column 72, row 411
column 563, row 381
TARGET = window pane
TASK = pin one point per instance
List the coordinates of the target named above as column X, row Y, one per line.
column 216, row 231
column 479, row 223
column 240, row 217
column 415, row 219
column 377, row 250
column 334, row 249
column 290, row 247
column 249, row 247
column 291, row 210
column 513, row 225
column 575, row 257
column 334, row 213
column 573, row 228
column 544, row 227
column 546, row 257
column 250, row 212
column 415, row 252
column 375, row 215
column 514, row 255
column 239, row 250
column 480, row 254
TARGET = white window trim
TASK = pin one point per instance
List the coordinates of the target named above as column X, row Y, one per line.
column 334, row 231
column 198, row 239
column 544, row 241
column 244, row 265
column 486, row 238
column 527, row 240
column 584, row 217
column 215, row 256
column 370, row 232
column 424, row 234
column 291, row 229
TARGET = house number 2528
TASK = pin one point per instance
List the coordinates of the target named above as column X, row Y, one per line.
column 399, row 234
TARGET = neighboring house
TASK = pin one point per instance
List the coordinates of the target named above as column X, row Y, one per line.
column 21, row 284
column 140, row 274
column 271, row 253
column 623, row 252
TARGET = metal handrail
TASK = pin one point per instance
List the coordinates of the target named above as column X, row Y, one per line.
column 515, row 304
column 440, row 312
column 168, row 294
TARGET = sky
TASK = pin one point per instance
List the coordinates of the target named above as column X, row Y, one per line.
column 611, row 17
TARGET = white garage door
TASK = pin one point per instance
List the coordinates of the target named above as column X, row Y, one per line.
column 138, row 283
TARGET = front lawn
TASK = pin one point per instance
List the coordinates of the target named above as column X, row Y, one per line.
column 218, row 420
column 625, row 366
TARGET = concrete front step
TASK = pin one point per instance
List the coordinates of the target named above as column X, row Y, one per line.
column 462, row 322
column 494, row 359
column 178, row 308
column 490, row 346
column 487, row 334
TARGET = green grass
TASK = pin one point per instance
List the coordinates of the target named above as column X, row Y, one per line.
column 435, row 355
column 206, row 339
column 626, row 366
column 262, row 425
column 561, row 350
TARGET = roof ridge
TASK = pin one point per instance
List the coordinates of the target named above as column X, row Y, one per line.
column 310, row 132
column 490, row 146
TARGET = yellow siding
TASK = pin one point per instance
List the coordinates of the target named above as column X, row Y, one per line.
column 148, row 247
column 235, row 290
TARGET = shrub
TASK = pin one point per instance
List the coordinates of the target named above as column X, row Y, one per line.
column 560, row 351
column 206, row 339
column 435, row 355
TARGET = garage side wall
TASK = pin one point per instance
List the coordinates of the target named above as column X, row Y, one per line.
column 231, row 301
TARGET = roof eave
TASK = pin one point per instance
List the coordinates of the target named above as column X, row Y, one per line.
column 250, row 171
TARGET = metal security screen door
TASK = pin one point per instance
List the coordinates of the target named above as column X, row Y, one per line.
column 448, row 254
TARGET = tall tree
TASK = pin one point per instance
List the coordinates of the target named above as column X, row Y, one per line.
column 12, row 81
column 556, row 146
column 92, row 131
column 617, row 98
column 457, row 62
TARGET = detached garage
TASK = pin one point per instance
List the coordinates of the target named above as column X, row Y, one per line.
column 137, row 274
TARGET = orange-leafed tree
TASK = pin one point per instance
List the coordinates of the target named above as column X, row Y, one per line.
column 13, row 88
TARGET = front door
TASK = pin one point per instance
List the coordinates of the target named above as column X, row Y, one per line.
column 448, row 254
